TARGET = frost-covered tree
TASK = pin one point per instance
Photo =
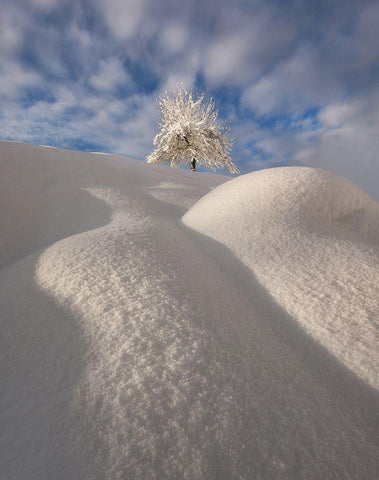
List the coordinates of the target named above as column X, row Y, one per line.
column 189, row 132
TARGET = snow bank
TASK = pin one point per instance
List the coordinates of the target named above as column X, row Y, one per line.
column 44, row 196
column 130, row 349
column 311, row 238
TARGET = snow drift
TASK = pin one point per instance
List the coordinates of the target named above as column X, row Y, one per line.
column 133, row 347
column 312, row 240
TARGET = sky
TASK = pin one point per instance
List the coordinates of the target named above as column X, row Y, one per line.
column 296, row 81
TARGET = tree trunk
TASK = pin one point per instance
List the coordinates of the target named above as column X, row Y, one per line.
column 193, row 164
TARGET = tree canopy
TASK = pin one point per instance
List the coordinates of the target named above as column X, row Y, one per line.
column 190, row 133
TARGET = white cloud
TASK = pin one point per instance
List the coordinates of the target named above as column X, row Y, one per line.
column 349, row 144
column 184, row 72
column 245, row 47
column 9, row 38
column 81, row 36
column 227, row 59
column 337, row 114
column 296, row 83
column 123, row 16
column 13, row 22
column 45, row 3
column 351, row 152
column 366, row 39
column 261, row 96
column 174, row 38
column 14, row 79
column 110, row 75
column 138, row 131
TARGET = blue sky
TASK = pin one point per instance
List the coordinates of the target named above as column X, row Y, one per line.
column 297, row 81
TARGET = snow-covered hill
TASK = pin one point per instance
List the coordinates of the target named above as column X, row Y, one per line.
column 311, row 238
column 135, row 347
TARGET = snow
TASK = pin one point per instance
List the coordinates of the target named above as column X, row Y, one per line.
column 311, row 238
column 135, row 347
column 190, row 133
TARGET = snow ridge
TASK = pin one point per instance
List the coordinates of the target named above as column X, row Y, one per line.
column 311, row 238
column 133, row 348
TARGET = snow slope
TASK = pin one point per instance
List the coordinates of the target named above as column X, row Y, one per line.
column 311, row 238
column 134, row 347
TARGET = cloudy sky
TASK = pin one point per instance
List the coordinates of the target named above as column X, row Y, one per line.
column 297, row 81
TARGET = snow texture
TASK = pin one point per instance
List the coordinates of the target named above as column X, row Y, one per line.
column 135, row 347
column 311, row 238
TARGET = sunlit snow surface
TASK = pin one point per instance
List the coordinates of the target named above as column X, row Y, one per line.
column 133, row 347
column 312, row 240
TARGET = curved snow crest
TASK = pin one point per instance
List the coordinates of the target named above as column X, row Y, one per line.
column 146, row 358
column 312, row 240
column 127, row 351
